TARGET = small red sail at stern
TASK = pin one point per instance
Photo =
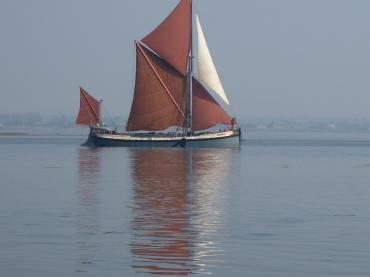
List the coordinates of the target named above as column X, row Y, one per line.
column 89, row 113
column 206, row 111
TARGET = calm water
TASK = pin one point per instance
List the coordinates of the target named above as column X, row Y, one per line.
column 285, row 204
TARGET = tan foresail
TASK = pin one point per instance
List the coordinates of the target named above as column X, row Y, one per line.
column 207, row 70
column 171, row 39
column 206, row 111
column 159, row 98
column 89, row 113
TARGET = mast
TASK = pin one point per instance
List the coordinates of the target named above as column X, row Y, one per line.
column 100, row 112
column 190, row 73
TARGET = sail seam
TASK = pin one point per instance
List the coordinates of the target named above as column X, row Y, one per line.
column 161, row 81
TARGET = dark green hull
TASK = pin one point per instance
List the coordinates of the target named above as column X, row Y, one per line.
column 231, row 141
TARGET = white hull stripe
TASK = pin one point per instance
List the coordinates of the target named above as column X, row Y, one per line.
column 166, row 138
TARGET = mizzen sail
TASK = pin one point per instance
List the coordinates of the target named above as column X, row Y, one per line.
column 159, row 98
column 171, row 39
column 89, row 113
column 206, row 69
column 206, row 111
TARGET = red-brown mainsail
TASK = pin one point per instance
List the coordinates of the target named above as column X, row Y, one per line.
column 89, row 113
column 171, row 39
column 159, row 99
column 206, row 111
column 161, row 92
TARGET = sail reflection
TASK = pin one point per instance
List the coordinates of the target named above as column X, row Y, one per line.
column 87, row 193
column 176, row 209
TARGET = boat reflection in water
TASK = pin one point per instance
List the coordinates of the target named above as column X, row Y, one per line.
column 177, row 209
column 87, row 210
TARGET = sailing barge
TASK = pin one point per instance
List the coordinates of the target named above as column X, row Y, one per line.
column 174, row 105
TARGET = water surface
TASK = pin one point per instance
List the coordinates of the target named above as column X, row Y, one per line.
column 282, row 205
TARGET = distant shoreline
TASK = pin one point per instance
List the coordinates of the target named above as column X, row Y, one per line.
column 13, row 134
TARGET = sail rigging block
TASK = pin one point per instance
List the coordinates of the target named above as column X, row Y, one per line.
column 207, row 70
column 159, row 98
column 171, row 39
column 206, row 111
column 89, row 113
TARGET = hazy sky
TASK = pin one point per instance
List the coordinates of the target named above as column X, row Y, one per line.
column 286, row 58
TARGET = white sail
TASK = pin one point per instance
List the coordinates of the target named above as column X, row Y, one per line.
column 206, row 69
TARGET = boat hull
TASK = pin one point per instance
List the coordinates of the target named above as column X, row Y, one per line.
column 220, row 140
